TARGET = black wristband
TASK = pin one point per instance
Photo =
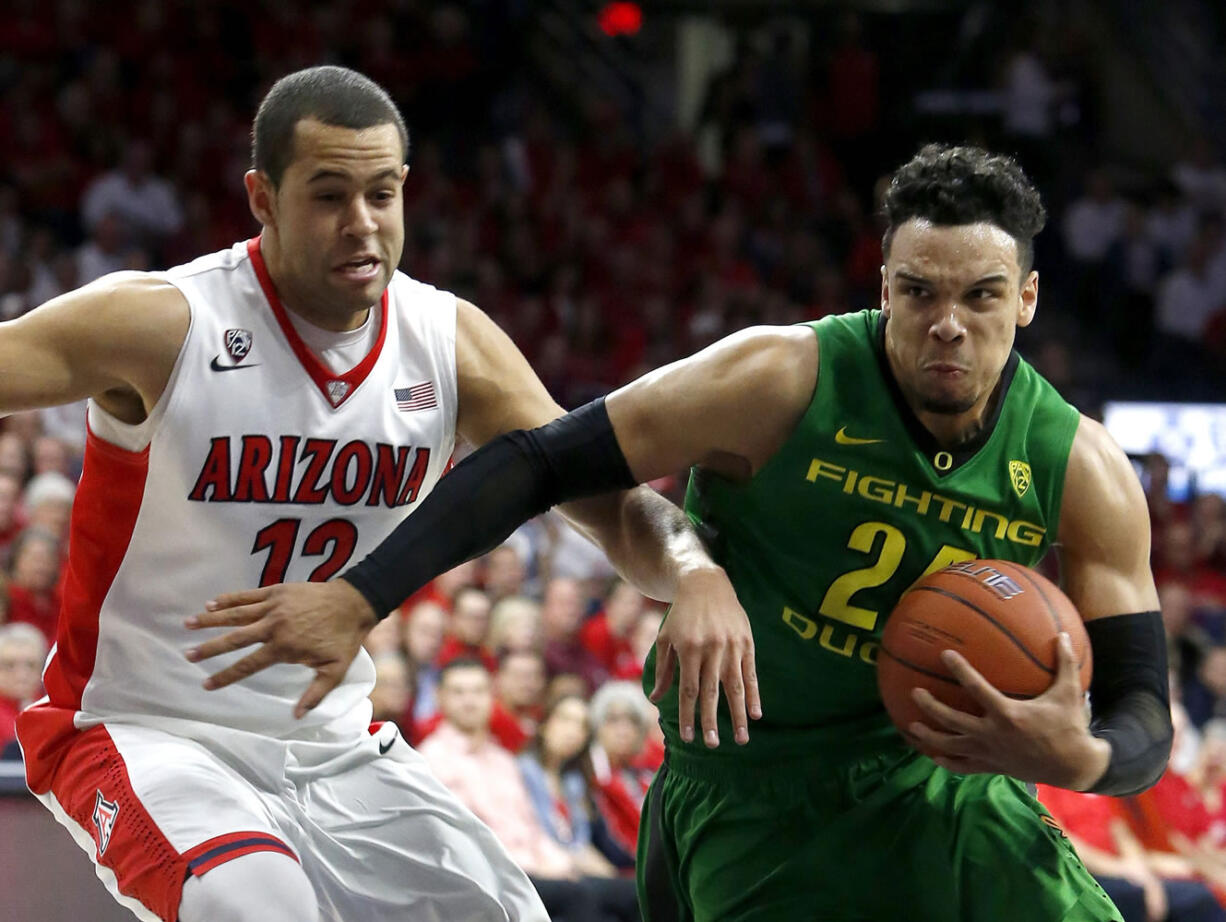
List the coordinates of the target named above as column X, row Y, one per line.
column 490, row 494
column 1130, row 700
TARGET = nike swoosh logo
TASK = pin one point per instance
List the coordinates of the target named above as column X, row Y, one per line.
column 217, row 366
column 384, row 747
column 844, row 439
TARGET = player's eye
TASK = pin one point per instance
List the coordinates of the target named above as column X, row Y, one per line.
column 328, row 196
column 915, row 291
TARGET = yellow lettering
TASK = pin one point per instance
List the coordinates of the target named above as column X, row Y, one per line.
column 981, row 515
column 966, row 519
column 868, row 651
column 805, row 627
column 947, row 506
column 869, row 490
column 921, row 501
column 820, row 468
column 848, row 645
column 1027, row 533
column 850, row 483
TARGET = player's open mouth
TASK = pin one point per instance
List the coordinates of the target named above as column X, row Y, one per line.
column 361, row 269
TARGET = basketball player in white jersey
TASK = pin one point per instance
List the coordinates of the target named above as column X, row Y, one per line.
column 263, row 414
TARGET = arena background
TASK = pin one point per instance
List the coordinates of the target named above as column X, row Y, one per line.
column 619, row 185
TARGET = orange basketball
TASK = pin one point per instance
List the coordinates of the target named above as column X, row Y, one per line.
column 1002, row 617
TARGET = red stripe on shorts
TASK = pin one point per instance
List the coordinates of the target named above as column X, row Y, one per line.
column 218, row 850
column 92, row 786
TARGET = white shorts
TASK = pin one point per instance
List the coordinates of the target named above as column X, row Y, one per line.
column 377, row 835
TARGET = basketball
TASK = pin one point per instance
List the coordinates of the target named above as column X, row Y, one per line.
column 1002, row 617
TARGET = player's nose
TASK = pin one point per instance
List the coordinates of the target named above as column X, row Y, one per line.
column 948, row 325
column 360, row 221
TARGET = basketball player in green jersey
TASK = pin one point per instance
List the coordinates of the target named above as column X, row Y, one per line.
column 835, row 463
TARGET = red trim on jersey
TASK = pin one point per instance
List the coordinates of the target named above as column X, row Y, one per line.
column 320, row 373
column 103, row 518
column 146, row 866
column 218, row 850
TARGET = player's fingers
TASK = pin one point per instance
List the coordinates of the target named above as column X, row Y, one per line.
column 690, row 663
column 227, row 617
column 326, row 679
column 248, row 665
column 708, row 690
column 229, row 642
column 942, row 715
column 666, row 668
column 969, row 678
column 1067, row 672
column 749, row 672
column 245, row 597
column 734, row 691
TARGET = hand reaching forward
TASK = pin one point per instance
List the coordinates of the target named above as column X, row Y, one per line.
column 1045, row 739
column 320, row 625
column 707, row 633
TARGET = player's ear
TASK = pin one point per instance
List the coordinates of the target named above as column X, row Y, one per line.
column 1028, row 299
column 404, row 173
column 261, row 197
column 885, row 293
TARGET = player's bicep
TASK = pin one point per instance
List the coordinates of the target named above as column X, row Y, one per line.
column 1104, row 529
column 498, row 390
column 119, row 333
column 730, row 407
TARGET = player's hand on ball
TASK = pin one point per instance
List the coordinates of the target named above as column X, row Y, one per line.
column 707, row 633
column 1045, row 739
column 320, row 625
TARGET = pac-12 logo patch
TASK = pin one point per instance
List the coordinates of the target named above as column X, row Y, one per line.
column 105, row 812
column 238, row 344
column 1019, row 474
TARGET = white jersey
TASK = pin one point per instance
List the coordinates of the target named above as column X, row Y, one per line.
column 258, row 465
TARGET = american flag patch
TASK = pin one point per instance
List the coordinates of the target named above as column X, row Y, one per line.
column 418, row 397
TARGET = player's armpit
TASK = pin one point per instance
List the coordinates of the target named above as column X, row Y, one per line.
column 1104, row 529
column 729, row 407
column 115, row 339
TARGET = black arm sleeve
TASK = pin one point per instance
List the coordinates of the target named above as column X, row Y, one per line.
column 490, row 494
column 1130, row 700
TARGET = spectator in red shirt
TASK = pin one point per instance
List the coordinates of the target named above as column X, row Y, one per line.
column 467, row 631
column 22, row 651
column 392, row 696
column 519, row 689
column 1123, row 866
column 607, row 634
column 34, row 596
column 561, row 615
column 622, row 761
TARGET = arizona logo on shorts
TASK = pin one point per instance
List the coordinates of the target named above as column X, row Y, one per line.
column 105, row 812
column 238, row 343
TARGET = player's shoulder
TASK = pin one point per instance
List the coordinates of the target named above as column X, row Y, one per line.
column 767, row 345
column 232, row 258
column 1099, row 474
column 141, row 294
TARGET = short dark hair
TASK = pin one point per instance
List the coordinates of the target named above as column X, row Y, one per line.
column 329, row 94
column 461, row 662
column 950, row 185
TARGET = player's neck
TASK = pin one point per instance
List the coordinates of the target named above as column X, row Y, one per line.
column 302, row 300
column 952, row 431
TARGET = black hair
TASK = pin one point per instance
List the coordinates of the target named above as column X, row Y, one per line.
column 329, row 94
column 951, row 185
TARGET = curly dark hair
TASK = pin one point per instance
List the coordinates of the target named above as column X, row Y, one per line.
column 949, row 185
column 332, row 95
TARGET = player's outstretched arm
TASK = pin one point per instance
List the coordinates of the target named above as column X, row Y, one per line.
column 115, row 339
column 715, row 408
column 1123, row 747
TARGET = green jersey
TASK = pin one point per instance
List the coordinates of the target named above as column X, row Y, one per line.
column 858, row 504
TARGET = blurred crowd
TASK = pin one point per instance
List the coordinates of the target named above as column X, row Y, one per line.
column 604, row 252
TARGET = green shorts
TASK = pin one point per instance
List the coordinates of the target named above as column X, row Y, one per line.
column 888, row 837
